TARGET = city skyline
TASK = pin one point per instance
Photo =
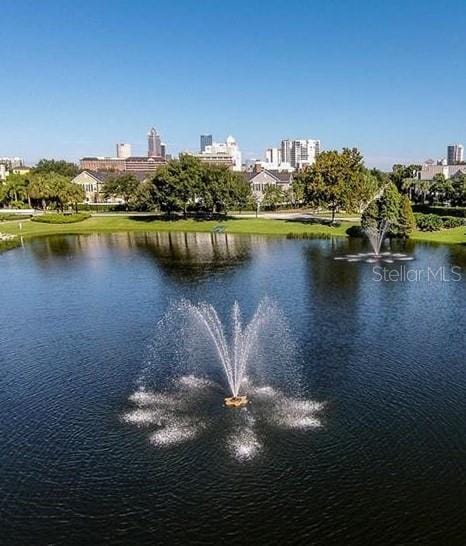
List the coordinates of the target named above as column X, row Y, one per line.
column 371, row 81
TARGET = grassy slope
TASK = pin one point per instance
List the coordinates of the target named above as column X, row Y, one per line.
column 259, row 226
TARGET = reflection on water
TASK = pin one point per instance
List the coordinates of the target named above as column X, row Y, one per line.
column 190, row 255
column 181, row 255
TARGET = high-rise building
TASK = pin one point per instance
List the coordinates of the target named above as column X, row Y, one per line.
column 123, row 150
column 273, row 158
column 455, row 154
column 206, row 140
column 302, row 152
column 292, row 154
column 154, row 144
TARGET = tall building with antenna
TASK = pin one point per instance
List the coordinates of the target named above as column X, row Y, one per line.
column 154, row 148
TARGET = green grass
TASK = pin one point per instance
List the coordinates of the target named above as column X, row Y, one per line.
column 252, row 226
column 448, row 236
column 8, row 245
column 102, row 224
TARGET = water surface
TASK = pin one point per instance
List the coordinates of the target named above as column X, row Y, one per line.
column 386, row 466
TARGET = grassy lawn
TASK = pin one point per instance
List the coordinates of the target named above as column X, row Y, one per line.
column 450, row 236
column 102, row 224
column 254, row 226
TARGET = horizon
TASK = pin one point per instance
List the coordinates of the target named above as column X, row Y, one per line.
column 82, row 78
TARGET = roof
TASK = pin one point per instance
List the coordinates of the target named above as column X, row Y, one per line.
column 103, row 176
column 280, row 177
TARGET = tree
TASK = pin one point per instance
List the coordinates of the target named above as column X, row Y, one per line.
column 40, row 188
column 389, row 204
column 401, row 172
column 54, row 189
column 122, row 185
column 337, row 181
column 15, row 188
column 458, row 190
column 273, row 196
column 177, row 184
column 65, row 168
column 406, row 219
column 393, row 208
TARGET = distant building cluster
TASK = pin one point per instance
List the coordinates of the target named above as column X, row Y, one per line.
column 220, row 153
column 292, row 155
column 448, row 166
column 125, row 161
column 12, row 165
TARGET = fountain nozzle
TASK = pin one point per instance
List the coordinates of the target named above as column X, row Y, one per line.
column 236, row 401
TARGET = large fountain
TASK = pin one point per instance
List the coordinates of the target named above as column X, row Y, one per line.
column 376, row 235
column 196, row 362
column 233, row 356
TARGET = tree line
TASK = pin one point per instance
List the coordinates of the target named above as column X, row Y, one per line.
column 338, row 180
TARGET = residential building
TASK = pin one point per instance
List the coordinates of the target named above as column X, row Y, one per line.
column 429, row 170
column 206, row 140
column 455, row 154
column 92, row 183
column 11, row 162
column 300, row 153
column 100, row 163
column 260, row 179
column 143, row 164
column 273, row 158
column 292, row 154
column 222, row 153
column 123, row 150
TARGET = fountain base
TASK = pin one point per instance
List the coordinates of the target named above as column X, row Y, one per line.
column 236, row 401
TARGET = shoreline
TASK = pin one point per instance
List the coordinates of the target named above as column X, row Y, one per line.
column 292, row 227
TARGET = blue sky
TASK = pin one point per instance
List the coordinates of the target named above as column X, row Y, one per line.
column 387, row 77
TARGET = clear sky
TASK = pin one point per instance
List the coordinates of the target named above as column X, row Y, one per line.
column 386, row 76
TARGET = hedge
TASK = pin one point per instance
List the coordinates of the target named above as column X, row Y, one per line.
column 459, row 212
column 433, row 222
column 10, row 216
column 61, row 218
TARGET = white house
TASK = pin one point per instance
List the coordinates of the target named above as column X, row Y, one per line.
column 259, row 181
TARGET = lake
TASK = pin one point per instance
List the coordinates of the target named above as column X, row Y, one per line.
column 384, row 360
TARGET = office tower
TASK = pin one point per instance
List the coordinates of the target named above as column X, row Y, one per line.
column 455, row 154
column 154, row 144
column 299, row 152
column 123, row 150
column 206, row 140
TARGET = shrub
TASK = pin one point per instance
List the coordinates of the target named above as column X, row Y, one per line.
column 355, row 231
column 428, row 222
column 19, row 205
column 61, row 218
column 101, row 207
column 459, row 212
column 6, row 216
column 452, row 221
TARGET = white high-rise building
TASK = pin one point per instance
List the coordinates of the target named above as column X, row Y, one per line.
column 123, row 150
column 300, row 153
column 292, row 154
column 273, row 158
column 455, row 154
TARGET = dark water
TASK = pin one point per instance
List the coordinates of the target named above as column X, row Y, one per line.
column 387, row 466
